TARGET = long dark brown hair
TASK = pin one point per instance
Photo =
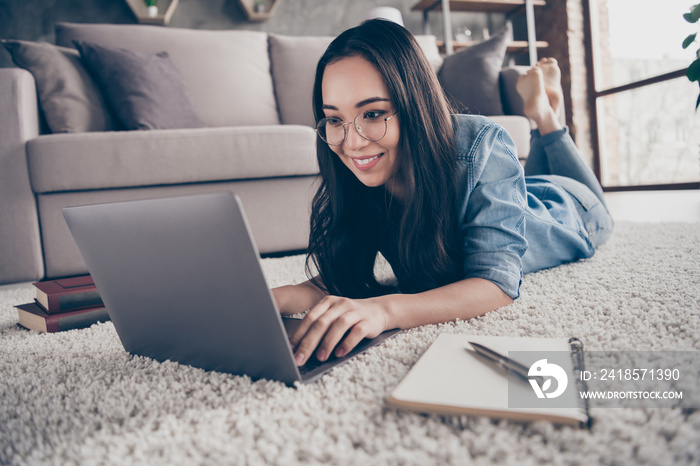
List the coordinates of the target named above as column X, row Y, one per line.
column 351, row 222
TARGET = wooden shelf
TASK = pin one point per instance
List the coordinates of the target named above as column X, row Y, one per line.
column 509, row 7
column 514, row 46
column 486, row 6
column 248, row 8
column 141, row 12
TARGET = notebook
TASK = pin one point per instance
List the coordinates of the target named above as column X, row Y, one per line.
column 449, row 378
column 181, row 280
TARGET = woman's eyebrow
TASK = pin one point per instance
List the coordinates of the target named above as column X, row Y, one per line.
column 371, row 100
column 360, row 104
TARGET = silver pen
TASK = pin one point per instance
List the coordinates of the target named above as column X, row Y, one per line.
column 500, row 360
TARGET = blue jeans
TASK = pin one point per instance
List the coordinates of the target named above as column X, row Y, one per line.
column 555, row 157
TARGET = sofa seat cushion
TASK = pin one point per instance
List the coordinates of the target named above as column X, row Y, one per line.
column 518, row 127
column 226, row 73
column 102, row 160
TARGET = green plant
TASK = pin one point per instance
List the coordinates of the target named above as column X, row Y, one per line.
column 151, row 2
column 693, row 71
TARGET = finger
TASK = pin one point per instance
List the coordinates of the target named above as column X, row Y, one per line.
column 356, row 335
column 308, row 320
column 344, row 322
column 315, row 332
column 310, row 341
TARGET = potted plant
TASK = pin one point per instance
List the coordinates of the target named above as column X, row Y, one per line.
column 151, row 8
column 693, row 71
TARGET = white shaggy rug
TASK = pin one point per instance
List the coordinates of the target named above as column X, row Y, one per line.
column 79, row 398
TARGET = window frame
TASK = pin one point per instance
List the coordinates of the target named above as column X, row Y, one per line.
column 595, row 93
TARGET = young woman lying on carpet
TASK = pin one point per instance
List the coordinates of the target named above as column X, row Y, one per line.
column 442, row 197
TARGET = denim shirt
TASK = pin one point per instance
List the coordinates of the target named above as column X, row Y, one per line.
column 512, row 224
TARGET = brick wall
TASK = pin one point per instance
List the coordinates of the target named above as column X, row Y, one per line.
column 561, row 23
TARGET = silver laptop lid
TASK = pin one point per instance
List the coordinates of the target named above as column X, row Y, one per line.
column 181, row 280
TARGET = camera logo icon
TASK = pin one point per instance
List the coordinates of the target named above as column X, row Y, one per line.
column 540, row 376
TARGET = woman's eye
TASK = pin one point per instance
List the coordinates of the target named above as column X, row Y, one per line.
column 334, row 121
column 373, row 114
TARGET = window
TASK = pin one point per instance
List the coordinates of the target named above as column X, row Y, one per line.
column 648, row 129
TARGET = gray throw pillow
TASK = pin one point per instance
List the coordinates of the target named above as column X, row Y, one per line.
column 144, row 91
column 69, row 98
column 470, row 77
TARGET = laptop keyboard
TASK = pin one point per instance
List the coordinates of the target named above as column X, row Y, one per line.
column 314, row 363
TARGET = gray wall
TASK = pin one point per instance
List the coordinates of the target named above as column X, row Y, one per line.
column 35, row 19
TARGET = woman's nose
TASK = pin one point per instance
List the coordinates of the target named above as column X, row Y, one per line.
column 353, row 138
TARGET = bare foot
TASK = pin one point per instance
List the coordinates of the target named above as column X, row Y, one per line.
column 531, row 88
column 552, row 81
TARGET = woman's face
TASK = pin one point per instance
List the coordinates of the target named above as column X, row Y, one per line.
column 354, row 86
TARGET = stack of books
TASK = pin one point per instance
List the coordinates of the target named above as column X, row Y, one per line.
column 64, row 304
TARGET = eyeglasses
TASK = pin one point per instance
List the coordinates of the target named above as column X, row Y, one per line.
column 371, row 125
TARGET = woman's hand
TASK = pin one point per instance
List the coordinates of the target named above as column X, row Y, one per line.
column 339, row 324
column 329, row 320
column 294, row 299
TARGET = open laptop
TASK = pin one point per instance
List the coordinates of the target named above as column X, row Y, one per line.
column 181, row 280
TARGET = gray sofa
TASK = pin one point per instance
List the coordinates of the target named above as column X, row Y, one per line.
column 253, row 92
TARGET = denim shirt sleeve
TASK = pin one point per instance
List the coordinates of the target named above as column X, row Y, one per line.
column 492, row 193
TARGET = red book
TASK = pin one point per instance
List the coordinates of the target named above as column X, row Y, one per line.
column 67, row 294
column 33, row 317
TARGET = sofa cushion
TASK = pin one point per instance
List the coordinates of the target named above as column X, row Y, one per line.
column 512, row 102
column 68, row 96
column 144, row 91
column 518, row 127
column 73, row 162
column 226, row 73
column 471, row 76
column 277, row 211
column 294, row 61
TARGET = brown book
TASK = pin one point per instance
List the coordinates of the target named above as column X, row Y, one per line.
column 33, row 317
column 67, row 294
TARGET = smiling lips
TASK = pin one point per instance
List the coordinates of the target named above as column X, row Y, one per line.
column 366, row 163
